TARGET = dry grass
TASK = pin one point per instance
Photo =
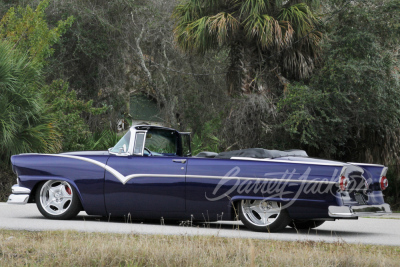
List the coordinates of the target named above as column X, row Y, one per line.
column 69, row 248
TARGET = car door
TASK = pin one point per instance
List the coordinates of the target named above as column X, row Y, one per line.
column 149, row 185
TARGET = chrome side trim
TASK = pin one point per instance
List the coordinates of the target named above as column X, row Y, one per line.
column 132, row 176
column 359, row 211
column 365, row 164
column 16, row 189
column 290, row 161
column 18, row 199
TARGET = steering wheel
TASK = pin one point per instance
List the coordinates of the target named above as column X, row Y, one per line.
column 148, row 150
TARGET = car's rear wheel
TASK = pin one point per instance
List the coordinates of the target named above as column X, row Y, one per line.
column 305, row 224
column 263, row 216
column 57, row 200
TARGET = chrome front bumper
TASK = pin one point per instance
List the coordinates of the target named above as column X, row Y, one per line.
column 19, row 196
column 359, row 211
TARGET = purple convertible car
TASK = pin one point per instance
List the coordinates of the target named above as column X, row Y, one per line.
column 150, row 173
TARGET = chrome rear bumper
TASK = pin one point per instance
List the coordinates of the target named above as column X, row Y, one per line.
column 19, row 196
column 359, row 211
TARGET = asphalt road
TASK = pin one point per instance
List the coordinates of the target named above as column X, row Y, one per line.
column 365, row 230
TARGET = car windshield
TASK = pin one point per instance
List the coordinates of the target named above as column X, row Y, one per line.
column 123, row 144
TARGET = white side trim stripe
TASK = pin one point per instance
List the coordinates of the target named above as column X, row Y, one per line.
column 124, row 179
column 291, row 161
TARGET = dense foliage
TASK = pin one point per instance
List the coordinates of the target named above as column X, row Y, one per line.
column 261, row 36
column 25, row 43
column 351, row 107
column 66, row 110
column 28, row 30
column 24, row 124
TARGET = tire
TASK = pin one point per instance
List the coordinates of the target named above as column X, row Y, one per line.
column 263, row 216
column 57, row 200
column 305, row 224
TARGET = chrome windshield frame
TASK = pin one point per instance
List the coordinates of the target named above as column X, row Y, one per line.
column 132, row 143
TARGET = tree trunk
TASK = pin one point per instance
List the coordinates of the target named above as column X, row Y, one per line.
column 234, row 75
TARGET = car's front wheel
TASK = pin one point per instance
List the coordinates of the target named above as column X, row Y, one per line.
column 57, row 200
column 263, row 216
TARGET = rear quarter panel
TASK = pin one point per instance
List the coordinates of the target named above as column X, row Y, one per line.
column 212, row 185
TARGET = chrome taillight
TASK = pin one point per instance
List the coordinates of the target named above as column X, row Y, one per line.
column 383, row 181
column 343, row 183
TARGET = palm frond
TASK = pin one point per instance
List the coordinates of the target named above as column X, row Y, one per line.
column 268, row 32
column 301, row 18
column 201, row 37
column 313, row 4
column 103, row 140
column 190, row 11
column 223, row 25
column 24, row 126
column 198, row 28
column 195, row 9
column 253, row 8
column 299, row 63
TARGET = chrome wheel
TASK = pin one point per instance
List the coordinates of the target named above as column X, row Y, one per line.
column 56, row 197
column 263, row 215
column 260, row 212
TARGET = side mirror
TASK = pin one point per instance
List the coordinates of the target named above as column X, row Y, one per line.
column 122, row 149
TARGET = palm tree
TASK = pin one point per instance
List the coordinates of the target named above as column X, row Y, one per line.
column 24, row 126
column 266, row 39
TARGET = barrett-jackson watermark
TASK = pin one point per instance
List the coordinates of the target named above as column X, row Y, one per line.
column 284, row 188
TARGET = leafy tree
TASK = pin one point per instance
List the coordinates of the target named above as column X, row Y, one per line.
column 28, row 30
column 24, row 125
column 26, row 43
column 351, row 108
column 93, row 56
column 67, row 111
column 261, row 35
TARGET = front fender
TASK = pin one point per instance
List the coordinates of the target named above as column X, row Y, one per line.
column 87, row 178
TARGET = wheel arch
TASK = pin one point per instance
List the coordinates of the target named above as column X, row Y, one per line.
column 48, row 178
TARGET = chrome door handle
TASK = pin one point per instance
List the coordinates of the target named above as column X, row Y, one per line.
column 179, row 160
